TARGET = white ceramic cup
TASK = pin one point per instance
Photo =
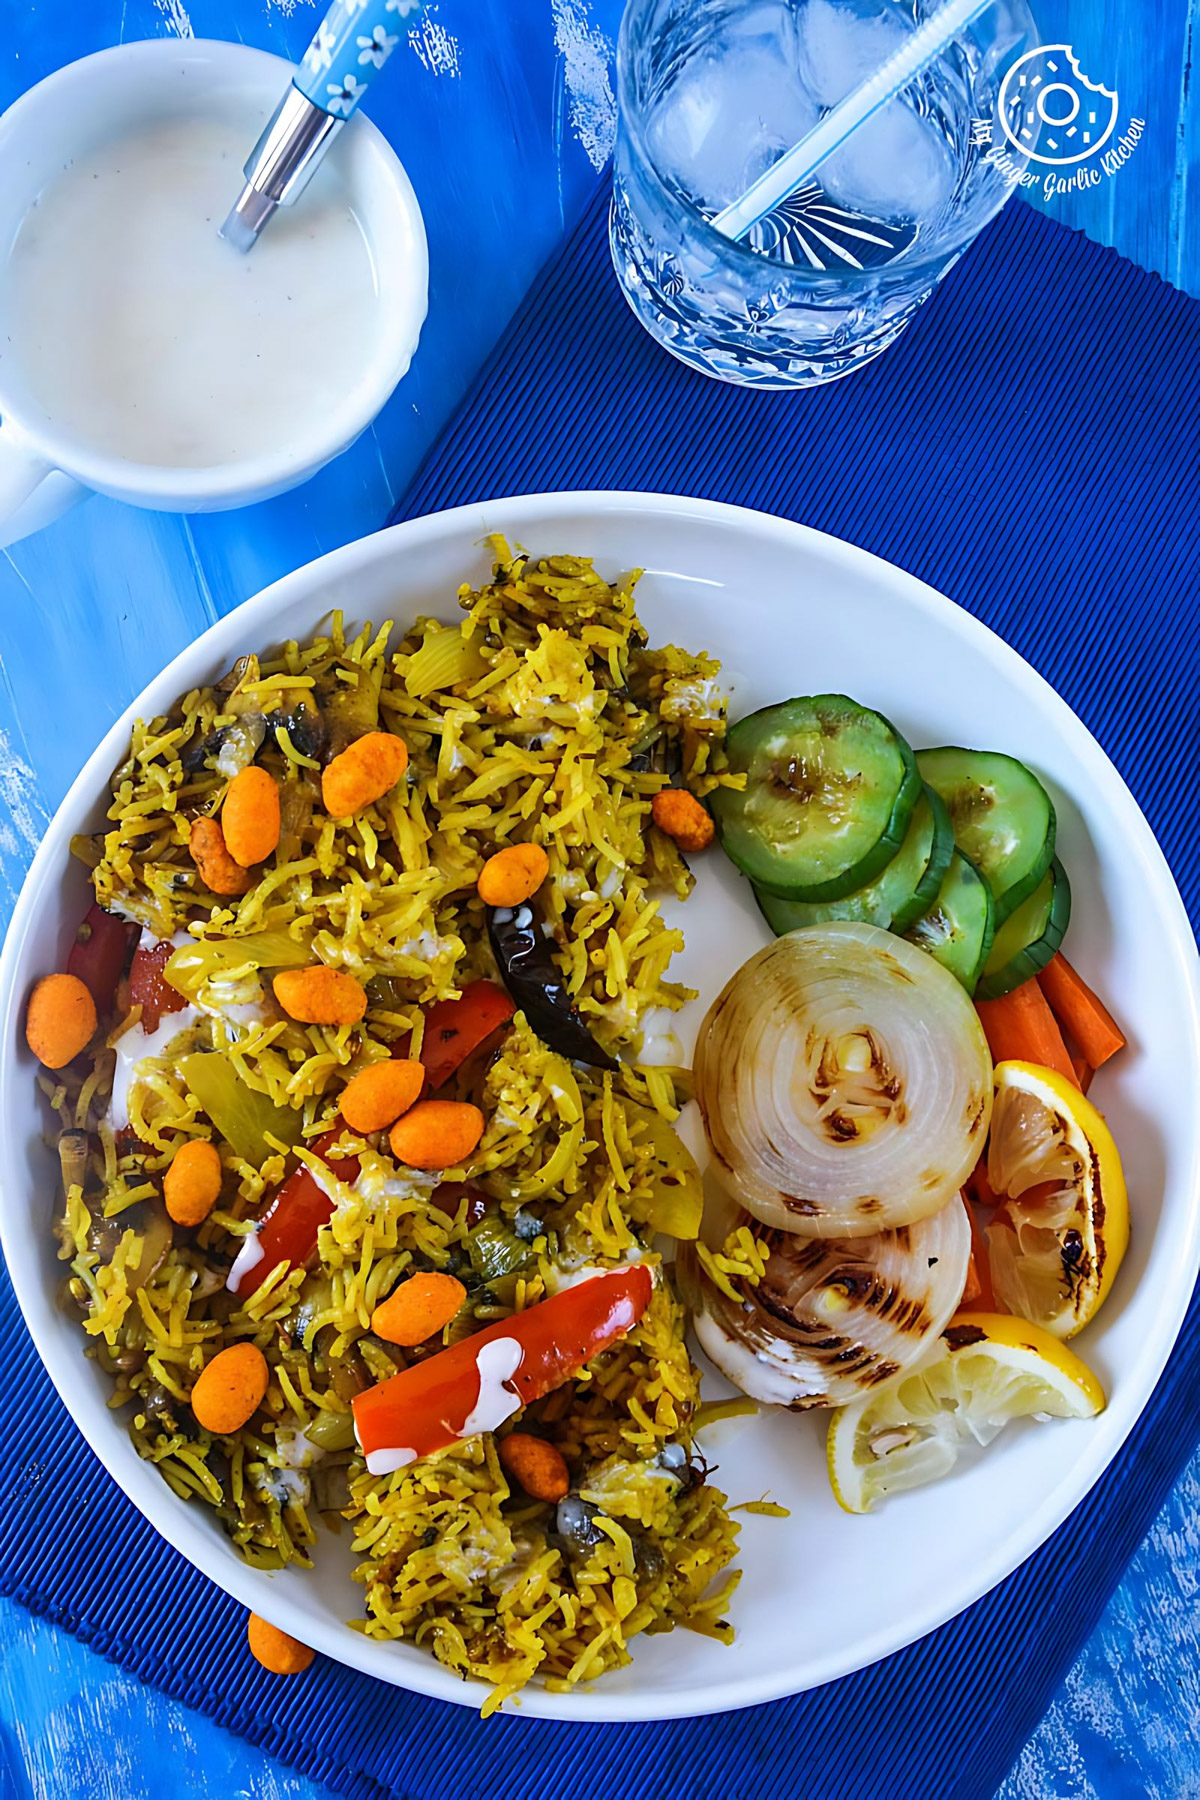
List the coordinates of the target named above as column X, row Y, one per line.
column 44, row 468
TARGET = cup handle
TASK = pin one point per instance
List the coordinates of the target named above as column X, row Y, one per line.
column 32, row 491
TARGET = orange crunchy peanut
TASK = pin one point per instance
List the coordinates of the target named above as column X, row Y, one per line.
column 250, row 816
column 366, row 770
column 192, row 1184
column 513, row 875
column 375, row 1097
column 218, row 871
column 417, row 1308
column 230, row 1389
column 540, row 1467
column 276, row 1650
column 436, row 1134
column 320, row 996
column 681, row 816
column 60, row 1020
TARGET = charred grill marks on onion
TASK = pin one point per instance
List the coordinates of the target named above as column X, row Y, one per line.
column 828, row 1319
column 826, row 1109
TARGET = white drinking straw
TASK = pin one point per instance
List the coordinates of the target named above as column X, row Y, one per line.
column 796, row 165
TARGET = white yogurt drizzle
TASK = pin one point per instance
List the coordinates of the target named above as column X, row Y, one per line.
column 247, row 1258
column 561, row 1276
column 137, row 1046
column 497, row 1362
column 386, row 1462
column 294, row 1450
column 660, row 1046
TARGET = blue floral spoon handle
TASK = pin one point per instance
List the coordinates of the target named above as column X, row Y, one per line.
column 352, row 43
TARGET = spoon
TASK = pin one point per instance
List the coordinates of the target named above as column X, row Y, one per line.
column 351, row 45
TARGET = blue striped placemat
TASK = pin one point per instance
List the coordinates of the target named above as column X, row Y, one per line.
column 1030, row 449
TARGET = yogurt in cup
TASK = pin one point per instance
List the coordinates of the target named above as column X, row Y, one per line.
column 140, row 355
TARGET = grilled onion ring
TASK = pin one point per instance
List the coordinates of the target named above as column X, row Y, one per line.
column 829, row 1320
column 845, row 1083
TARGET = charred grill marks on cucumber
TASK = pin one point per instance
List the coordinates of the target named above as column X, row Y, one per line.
column 952, row 848
column 957, row 930
column 830, row 790
column 897, row 897
column 1003, row 818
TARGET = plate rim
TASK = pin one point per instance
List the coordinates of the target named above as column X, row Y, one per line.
column 169, row 1516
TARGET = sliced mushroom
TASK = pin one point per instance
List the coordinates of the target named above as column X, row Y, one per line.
column 349, row 1375
column 302, row 722
column 73, row 1151
column 350, row 709
column 244, row 669
column 316, row 1298
column 230, row 749
column 165, row 1413
column 149, row 1219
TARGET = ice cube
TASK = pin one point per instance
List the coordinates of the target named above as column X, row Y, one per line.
column 896, row 166
column 729, row 115
column 768, row 25
column 682, row 124
column 844, row 41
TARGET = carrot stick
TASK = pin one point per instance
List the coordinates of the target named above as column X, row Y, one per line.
column 1021, row 1028
column 973, row 1290
column 1080, row 1012
column 1083, row 1072
column 977, row 1188
column 977, row 1292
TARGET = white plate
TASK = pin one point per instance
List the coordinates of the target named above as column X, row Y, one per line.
column 788, row 611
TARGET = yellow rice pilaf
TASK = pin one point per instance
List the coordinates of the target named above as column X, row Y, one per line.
column 543, row 716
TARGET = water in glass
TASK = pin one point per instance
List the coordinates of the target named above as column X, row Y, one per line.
column 711, row 94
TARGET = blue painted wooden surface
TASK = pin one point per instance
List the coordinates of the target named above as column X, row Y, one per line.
column 502, row 114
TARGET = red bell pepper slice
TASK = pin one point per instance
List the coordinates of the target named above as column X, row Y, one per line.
column 148, row 986
column 454, row 1029
column 429, row 1406
column 448, row 1195
column 287, row 1230
column 99, row 954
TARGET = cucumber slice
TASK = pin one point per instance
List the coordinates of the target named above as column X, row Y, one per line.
column 1003, row 818
column 941, row 850
column 957, row 929
column 1029, row 936
column 906, row 887
column 830, row 790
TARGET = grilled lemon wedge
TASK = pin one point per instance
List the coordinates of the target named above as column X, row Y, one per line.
column 989, row 1368
column 1056, row 1246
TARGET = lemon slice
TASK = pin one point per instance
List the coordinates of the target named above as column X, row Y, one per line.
column 1055, row 1248
column 989, row 1368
